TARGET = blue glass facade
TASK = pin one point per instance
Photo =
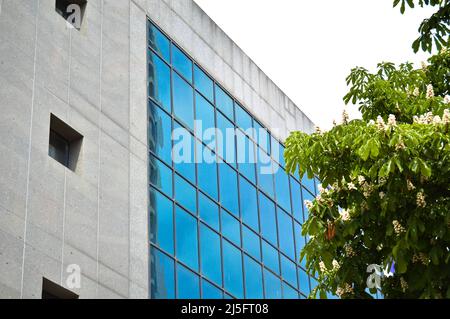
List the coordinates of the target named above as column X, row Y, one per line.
column 218, row 228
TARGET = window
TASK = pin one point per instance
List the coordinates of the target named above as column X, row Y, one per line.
column 289, row 292
column 72, row 11
column 296, row 197
column 162, row 275
column 184, row 153
column 209, row 291
column 268, row 219
column 282, row 188
column 243, row 119
column 64, row 143
column 159, row 42
column 251, row 243
column 303, row 282
column 265, row 172
column 224, row 103
column 288, row 271
column 183, row 101
column 249, row 204
column 228, row 188
column 159, row 133
column 186, row 238
column 286, row 238
column 208, row 211
column 185, row 194
column 204, row 112
column 262, row 137
column 210, row 255
column 231, row 228
column 203, row 83
column 226, row 130
column 299, row 243
column 308, row 183
column 207, row 170
column 272, row 285
column 253, row 279
column 182, row 63
column 270, row 257
column 161, row 221
column 232, row 269
column 246, row 156
column 160, row 175
column 159, row 81
column 306, row 196
column 50, row 290
column 188, row 283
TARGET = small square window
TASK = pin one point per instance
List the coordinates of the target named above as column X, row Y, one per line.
column 64, row 143
column 50, row 290
column 72, row 11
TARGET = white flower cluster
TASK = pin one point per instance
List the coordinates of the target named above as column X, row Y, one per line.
column 416, row 92
column 392, row 121
column 421, row 257
column 309, row 204
column 382, row 195
column 345, row 215
column 403, row 284
column 345, row 117
column 400, row 145
column 380, row 123
column 398, row 228
column 322, row 267
column 351, row 186
column 420, row 200
column 410, row 185
column 447, row 99
column 349, row 252
column 361, row 180
column 336, row 265
column 424, row 66
column 429, row 118
column 347, row 289
column 430, row 91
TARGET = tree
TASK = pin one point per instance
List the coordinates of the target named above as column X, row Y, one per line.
column 385, row 198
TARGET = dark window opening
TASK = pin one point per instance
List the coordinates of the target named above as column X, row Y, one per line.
column 50, row 290
column 72, row 11
column 64, row 143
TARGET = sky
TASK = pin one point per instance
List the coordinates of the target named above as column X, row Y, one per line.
column 309, row 47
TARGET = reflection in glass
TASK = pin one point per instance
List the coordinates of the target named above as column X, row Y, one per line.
column 159, row 42
column 228, row 188
column 282, row 189
column 185, row 194
column 249, row 204
column 204, row 112
column 268, row 219
column 285, row 229
column 253, row 279
column 228, row 141
column 270, row 257
column 209, row 291
column 186, row 238
column 210, row 255
column 232, row 269
column 159, row 81
column 272, row 285
column 264, row 170
column 188, row 283
column 203, row 83
column 161, row 221
column 182, row 63
column 224, row 103
column 208, row 211
column 159, row 133
column 296, row 197
column 231, row 228
column 251, row 243
column 162, row 274
column 246, row 156
column 160, row 175
column 288, row 271
column 183, row 101
column 184, row 153
column 289, row 292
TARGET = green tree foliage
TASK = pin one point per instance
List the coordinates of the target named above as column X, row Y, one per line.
column 435, row 28
column 387, row 194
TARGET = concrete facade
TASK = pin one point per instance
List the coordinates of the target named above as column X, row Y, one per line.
column 94, row 79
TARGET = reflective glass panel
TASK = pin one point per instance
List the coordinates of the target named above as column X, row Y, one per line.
column 210, row 255
column 253, row 279
column 306, row 196
column 204, row 112
column 251, row 243
column 272, row 285
column 160, row 175
column 203, row 83
column 208, row 211
column 232, row 269
column 163, row 275
column 209, row 291
column 286, row 238
column 185, row 194
column 282, row 188
column 299, row 243
column 159, row 42
column 159, row 81
column 226, row 144
column 182, row 63
column 245, row 151
column 224, row 103
column 289, row 292
column 231, row 228
column 303, row 281
column 249, row 204
column 188, row 283
column 228, row 188
column 270, row 257
column 184, row 152
column 288, row 271
column 308, row 183
column 296, row 197
column 186, row 238
column 161, row 221
column 159, row 133
column 207, row 171
column 268, row 219
column 243, row 119
column 183, row 101
column 264, row 171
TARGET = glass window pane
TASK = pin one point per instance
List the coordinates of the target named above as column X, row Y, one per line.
column 163, row 275
column 185, row 194
column 224, row 103
column 232, row 270
column 204, row 114
column 183, row 101
column 184, row 152
column 243, row 119
column 262, row 137
column 227, row 144
column 228, row 188
column 296, row 197
column 182, row 63
column 285, row 229
column 281, row 155
column 159, row 42
column 282, row 188
column 308, row 183
column 159, row 133
column 186, row 238
column 159, row 81
column 288, row 271
column 272, row 285
column 231, row 228
column 249, row 204
column 270, row 257
column 208, row 211
column 210, row 255
column 246, row 156
column 253, row 279
column 289, row 292
column 209, row 291
column 188, row 283
column 299, row 243
column 161, row 221
column 207, row 170
column 251, row 243
column 160, row 175
column 268, row 219
column 203, row 83
column 306, row 196
column 303, row 281
column 264, row 171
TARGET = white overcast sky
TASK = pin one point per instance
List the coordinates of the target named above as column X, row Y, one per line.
column 307, row 47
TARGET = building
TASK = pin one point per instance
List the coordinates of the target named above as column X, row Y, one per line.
column 92, row 204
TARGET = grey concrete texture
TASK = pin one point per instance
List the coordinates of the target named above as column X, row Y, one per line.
column 94, row 79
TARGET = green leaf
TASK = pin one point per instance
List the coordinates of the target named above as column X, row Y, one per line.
column 385, row 169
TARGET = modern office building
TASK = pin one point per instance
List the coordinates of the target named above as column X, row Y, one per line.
column 97, row 197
